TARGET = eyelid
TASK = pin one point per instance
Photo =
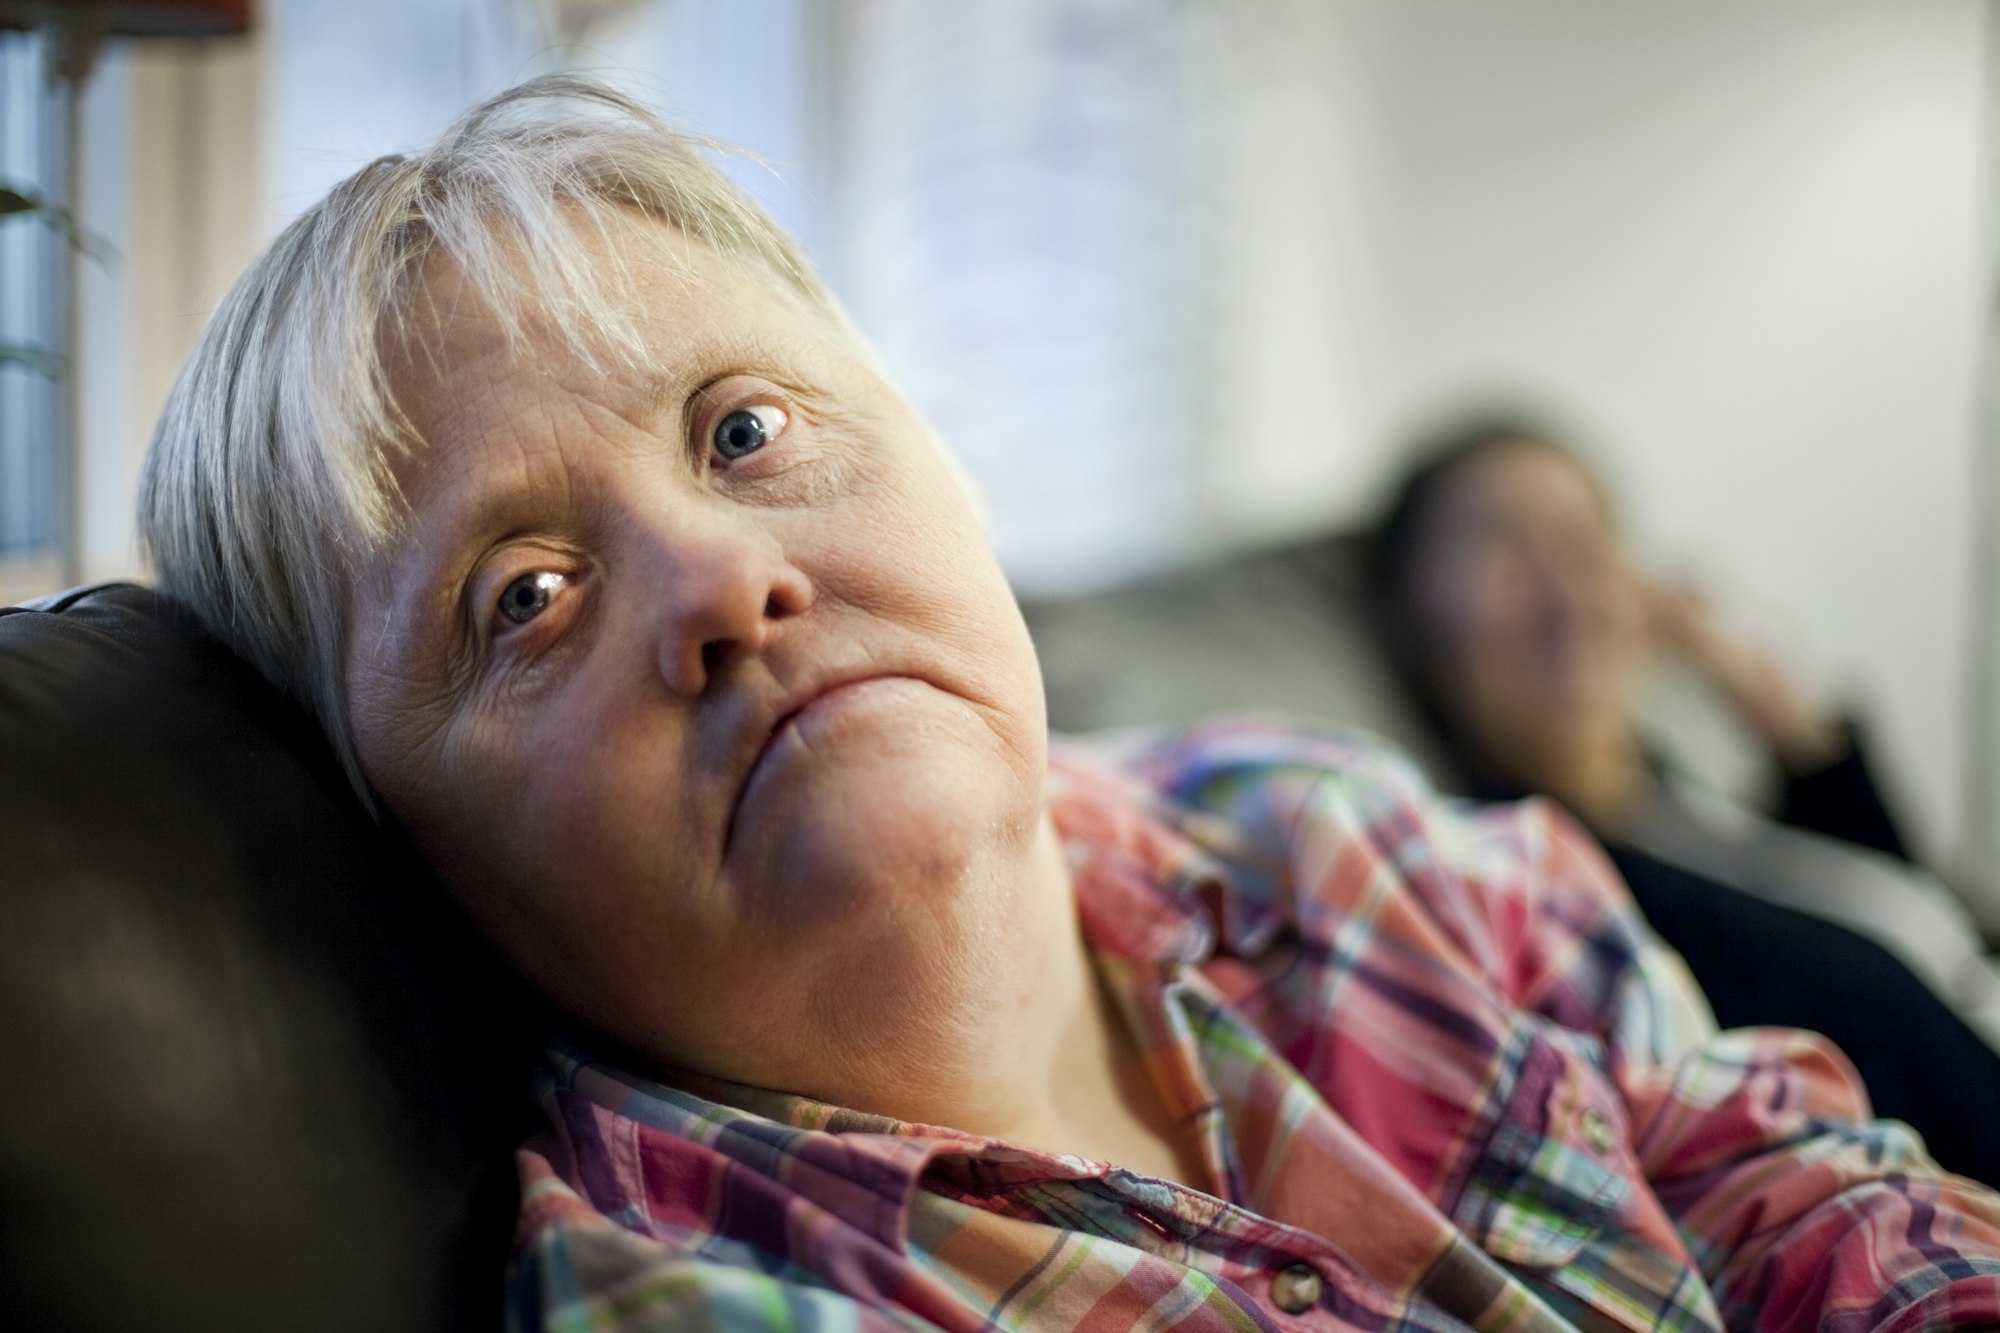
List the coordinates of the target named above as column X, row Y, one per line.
column 708, row 405
column 500, row 571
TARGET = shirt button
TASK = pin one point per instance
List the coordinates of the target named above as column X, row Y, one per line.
column 1597, row 1131
column 1295, row 1290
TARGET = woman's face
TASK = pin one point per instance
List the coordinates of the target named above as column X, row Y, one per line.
column 1523, row 596
column 697, row 682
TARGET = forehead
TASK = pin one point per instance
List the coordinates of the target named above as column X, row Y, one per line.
column 638, row 309
column 1522, row 479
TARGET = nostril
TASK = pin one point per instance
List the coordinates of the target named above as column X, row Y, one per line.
column 713, row 654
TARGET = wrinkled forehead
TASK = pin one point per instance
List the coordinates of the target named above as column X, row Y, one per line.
column 627, row 290
column 638, row 319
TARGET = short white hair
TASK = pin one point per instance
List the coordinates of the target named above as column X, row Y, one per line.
column 270, row 476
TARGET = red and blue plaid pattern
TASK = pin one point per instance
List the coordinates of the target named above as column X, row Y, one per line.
column 1443, row 1076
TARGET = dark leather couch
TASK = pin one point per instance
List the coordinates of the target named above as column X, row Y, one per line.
column 256, row 1072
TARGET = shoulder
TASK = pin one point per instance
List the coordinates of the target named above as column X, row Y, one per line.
column 1252, row 787
column 1338, row 836
column 1275, row 794
column 1195, row 762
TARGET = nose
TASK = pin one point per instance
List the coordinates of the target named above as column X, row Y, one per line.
column 726, row 586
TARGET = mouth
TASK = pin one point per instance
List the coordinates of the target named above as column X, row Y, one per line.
column 801, row 711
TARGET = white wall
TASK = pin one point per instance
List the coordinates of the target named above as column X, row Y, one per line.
column 171, row 179
column 1740, row 244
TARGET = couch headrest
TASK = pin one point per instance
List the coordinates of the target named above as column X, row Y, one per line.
column 259, row 1071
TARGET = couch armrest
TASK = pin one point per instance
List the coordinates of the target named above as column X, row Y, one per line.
column 259, row 1071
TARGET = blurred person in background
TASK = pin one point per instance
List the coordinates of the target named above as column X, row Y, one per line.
column 1524, row 631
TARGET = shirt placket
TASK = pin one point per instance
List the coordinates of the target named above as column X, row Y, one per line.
column 1289, row 1278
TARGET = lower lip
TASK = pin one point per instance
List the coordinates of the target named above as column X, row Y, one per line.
column 824, row 711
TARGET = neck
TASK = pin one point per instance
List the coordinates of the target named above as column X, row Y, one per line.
column 1099, row 1100
column 1033, row 1051
column 1597, row 772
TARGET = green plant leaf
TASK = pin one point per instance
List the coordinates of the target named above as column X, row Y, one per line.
column 44, row 363
column 84, row 241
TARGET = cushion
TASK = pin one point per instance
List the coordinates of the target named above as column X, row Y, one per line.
column 1281, row 631
column 259, row 1070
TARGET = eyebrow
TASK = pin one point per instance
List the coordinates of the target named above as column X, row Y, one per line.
column 673, row 391
column 659, row 391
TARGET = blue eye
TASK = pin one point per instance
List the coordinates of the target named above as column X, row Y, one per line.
column 747, row 430
column 529, row 596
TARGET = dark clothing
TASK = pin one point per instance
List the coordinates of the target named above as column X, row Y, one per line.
column 1842, row 800
column 1764, row 964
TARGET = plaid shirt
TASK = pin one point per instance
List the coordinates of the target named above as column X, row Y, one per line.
column 1442, row 1075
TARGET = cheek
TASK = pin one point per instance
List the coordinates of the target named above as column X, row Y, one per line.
column 528, row 819
column 1628, row 625
column 918, row 552
column 972, row 584
column 1467, row 601
column 566, row 788
column 580, row 859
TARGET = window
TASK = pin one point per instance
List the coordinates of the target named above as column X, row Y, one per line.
column 33, row 265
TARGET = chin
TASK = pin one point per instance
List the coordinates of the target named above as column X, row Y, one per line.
column 887, row 904
column 896, row 817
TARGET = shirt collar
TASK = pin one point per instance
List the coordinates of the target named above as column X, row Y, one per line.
column 867, row 1167
column 1158, row 883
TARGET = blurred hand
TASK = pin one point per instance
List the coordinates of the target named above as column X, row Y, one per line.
column 1800, row 735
